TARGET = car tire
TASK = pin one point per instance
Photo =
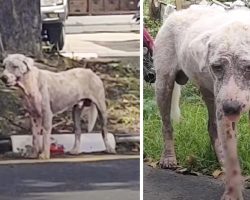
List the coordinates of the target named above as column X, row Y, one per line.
column 56, row 35
column 60, row 43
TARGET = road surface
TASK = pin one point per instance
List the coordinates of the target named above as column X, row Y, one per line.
column 162, row 184
column 103, row 180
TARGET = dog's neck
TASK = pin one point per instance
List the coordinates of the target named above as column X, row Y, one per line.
column 28, row 83
column 30, row 93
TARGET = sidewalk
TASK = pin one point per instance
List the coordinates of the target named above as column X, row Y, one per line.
column 102, row 45
column 104, row 23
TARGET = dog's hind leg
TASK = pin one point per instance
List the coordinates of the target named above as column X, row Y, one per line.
column 209, row 99
column 101, row 106
column 77, row 129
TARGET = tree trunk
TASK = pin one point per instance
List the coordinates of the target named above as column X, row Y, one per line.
column 154, row 10
column 20, row 27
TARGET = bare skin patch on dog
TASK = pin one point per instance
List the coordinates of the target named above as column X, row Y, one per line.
column 233, row 126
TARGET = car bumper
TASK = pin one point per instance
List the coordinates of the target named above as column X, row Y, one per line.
column 54, row 14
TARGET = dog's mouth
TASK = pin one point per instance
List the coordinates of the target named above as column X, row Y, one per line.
column 13, row 83
column 10, row 84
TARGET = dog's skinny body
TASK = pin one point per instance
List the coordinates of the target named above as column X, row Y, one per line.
column 212, row 48
column 47, row 93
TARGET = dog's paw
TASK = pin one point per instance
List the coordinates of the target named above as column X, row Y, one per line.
column 168, row 162
column 28, row 152
column 229, row 195
column 44, row 156
column 74, row 151
column 110, row 150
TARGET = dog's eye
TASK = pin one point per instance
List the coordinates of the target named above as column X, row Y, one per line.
column 247, row 72
column 247, row 68
column 217, row 68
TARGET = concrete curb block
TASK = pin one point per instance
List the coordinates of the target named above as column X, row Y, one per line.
column 71, row 160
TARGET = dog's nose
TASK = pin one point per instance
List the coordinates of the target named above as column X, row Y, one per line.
column 4, row 78
column 231, row 108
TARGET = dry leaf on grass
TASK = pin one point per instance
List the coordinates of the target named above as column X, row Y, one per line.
column 153, row 164
column 218, row 174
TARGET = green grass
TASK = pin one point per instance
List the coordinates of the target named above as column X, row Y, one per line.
column 192, row 141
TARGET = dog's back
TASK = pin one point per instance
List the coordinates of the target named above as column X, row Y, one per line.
column 67, row 87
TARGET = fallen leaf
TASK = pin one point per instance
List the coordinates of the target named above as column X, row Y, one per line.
column 182, row 170
column 186, row 171
column 153, row 164
column 217, row 174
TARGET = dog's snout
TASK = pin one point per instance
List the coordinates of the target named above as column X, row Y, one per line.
column 4, row 78
column 231, row 107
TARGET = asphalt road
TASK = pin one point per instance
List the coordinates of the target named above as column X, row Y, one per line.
column 103, row 180
column 162, row 184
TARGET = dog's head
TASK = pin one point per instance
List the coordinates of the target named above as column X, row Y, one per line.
column 16, row 66
column 225, row 53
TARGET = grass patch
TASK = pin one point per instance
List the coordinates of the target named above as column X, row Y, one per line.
column 192, row 142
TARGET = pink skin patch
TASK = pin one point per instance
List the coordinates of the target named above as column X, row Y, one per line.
column 233, row 118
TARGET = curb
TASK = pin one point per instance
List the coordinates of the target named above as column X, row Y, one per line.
column 71, row 160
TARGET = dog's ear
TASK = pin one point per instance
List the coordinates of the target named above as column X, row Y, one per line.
column 5, row 60
column 199, row 50
column 29, row 62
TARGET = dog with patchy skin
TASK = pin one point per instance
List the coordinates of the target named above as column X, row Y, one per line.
column 211, row 47
column 47, row 93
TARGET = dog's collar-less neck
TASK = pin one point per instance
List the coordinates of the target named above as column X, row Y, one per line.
column 25, row 85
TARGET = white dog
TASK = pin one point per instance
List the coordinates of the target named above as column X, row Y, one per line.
column 211, row 47
column 47, row 93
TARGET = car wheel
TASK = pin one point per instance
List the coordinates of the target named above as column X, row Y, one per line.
column 60, row 43
column 56, row 35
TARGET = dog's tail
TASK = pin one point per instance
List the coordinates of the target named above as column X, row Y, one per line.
column 175, row 109
column 92, row 114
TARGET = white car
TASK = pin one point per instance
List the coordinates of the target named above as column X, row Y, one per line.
column 54, row 13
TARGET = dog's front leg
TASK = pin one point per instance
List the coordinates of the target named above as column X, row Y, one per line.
column 36, row 124
column 47, row 127
column 33, row 104
column 234, row 182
